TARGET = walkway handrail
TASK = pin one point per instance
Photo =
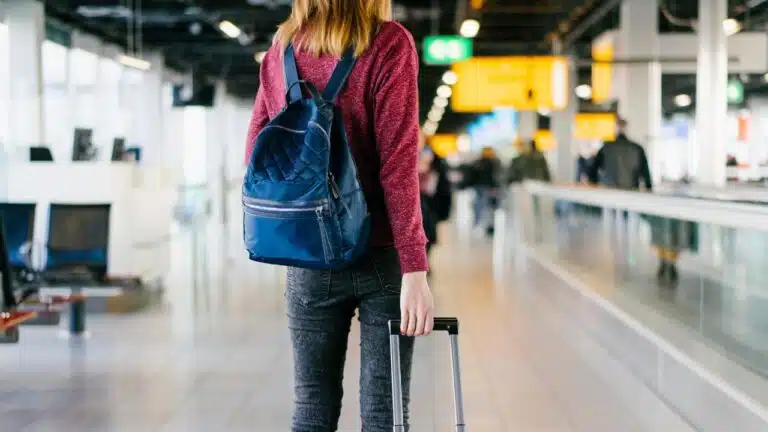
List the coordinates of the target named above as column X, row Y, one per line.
column 743, row 194
column 724, row 213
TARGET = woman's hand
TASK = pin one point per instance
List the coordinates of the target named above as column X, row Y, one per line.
column 416, row 305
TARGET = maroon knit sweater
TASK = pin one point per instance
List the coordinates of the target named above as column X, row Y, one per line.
column 380, row 107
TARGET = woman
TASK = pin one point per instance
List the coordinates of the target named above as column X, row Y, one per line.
column 379, row 108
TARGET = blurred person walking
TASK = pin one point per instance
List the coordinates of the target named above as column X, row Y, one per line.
column 436, row 192
column 484, row 178
column 623, row 164
column 530, row 164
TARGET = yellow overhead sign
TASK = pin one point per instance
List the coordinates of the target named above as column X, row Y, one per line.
column 524, row 83
column 444, row 145
column 545, row 140
column 595, row 126
column 602, row 73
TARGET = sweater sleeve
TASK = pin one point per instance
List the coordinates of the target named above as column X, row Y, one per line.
column 396, row 122
column 259, row 118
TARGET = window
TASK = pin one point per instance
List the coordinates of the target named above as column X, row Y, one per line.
column 134, row 107
column 58, row 115
column 111, row 122
column 83, row 73
column 4, row 87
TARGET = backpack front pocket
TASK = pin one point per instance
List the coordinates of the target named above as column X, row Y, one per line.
column 282, row 233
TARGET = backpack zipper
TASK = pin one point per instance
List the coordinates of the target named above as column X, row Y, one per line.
column 260, row 208
column 336, row 193
column 323, row 234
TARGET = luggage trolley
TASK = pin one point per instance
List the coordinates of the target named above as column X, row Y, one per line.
column 449, row 325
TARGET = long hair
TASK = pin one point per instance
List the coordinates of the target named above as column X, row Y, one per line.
column 331, row 26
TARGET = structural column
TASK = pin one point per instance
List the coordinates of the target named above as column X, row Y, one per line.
column 26, row 32
column 563, row 164
column 151, row 137
column 711, row 98
column 638, row 84
column 527, row 124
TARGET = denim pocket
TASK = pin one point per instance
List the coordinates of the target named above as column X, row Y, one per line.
column 309, row 287
column 386, row 262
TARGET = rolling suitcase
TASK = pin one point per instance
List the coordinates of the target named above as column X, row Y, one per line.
column 449, row 325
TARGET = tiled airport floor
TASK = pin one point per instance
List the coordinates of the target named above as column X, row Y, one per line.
column 725, row 303
column 220, row 361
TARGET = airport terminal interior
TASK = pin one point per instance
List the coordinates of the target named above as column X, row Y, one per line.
column 594, row 185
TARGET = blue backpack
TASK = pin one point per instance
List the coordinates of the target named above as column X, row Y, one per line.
column 302, row 201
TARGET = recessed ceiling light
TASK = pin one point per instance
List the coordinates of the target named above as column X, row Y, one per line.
column 430, row 127
column 229, row 29
column 134, row 62
column 444, row 91
column 450, row 77
column 435, row 116
column 436, row 108
column 731, row 27
column 469, row 28
column 584, row 91
column 683, row 100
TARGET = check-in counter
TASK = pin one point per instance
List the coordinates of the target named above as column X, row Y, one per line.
column 141, row 200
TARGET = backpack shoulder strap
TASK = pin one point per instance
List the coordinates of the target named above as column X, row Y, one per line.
column 340, row 75
column 291, row 74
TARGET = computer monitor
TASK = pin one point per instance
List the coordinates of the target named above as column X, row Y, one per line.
column 118, row 149
column 40, row 154
column 132, row 154
column 83, row 148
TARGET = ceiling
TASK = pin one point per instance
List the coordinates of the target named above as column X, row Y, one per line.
column 186, row 31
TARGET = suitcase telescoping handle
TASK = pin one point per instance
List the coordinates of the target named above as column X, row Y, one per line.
column 449, row 325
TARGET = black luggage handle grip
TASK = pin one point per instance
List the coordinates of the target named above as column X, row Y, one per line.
column 450, row 325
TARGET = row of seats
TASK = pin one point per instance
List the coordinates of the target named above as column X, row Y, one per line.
column 78, row 235
column 75, row 255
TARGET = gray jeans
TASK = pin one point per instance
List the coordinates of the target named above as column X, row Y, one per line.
column 321, row 305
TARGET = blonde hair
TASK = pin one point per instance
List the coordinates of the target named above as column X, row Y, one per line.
column 331, row 26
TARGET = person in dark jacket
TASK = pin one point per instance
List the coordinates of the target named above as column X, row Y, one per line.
column 622, row 164
column 442, row 199
column 485, row 181
column 583, row 164
column 529, row 165
column 436, row 192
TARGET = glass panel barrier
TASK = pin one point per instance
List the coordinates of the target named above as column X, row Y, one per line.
column 708, row 277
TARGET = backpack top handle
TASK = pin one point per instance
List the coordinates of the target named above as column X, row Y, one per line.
column 319, row 101
column 335, row 84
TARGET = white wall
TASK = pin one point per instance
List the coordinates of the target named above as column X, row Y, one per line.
column 749, row 49
column 84, row 86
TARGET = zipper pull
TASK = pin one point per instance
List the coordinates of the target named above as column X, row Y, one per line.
column 337, row 193
column 334, row 187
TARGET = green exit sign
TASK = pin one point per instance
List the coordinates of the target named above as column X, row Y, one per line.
column 735, row 92
column 443, row 50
